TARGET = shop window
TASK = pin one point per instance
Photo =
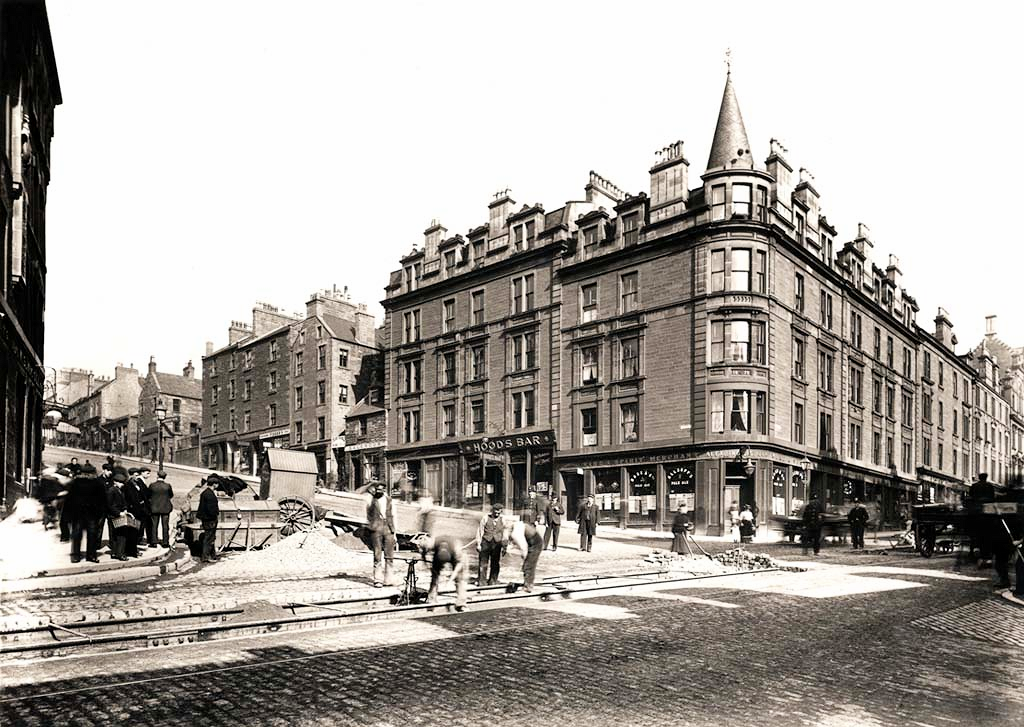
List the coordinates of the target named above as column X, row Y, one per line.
column 588, row 423
column 608, row 494
column 798, row 495
column 628, row 417
column 779, row 491
column 681, row 488
column 642, row 498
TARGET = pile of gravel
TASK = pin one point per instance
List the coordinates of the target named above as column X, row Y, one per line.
column 298, row 554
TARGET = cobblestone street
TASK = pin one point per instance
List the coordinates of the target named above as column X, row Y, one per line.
column 888, row 642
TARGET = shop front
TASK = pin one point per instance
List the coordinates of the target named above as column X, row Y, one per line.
column 475, row 473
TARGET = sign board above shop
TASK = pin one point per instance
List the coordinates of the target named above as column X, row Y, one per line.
column 506, row 443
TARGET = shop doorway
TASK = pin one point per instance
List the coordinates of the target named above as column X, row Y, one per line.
column 572, row 484
column 743, row 490
column 520, row 483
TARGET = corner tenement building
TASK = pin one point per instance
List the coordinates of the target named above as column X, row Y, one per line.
column 710, row 344
column 29, row 91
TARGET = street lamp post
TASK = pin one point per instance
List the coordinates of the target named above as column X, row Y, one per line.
column 161, row 414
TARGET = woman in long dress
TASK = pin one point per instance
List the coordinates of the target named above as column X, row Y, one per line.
column 680, row 527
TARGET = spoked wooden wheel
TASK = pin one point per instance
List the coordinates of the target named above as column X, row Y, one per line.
column 296, row 515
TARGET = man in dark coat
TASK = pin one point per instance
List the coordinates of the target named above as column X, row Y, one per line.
column 86, row 506
column 981, row 528
column 587, row 519
column 814, row 517
column 138, row 508
column 553, row 515
column 858, row 518
column 117, row 507
column 160, row 506
column 209, row 515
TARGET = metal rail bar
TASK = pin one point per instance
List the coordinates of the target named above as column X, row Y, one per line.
column 198, row 632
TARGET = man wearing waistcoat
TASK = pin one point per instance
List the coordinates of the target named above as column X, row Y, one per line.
column 491, row 542
column 380, row 517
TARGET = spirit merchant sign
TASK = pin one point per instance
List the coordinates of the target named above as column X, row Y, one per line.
column 488, row 445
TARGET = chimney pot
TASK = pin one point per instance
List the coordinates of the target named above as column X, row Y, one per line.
column 990, row 325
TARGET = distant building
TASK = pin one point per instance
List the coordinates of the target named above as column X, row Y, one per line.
column 289, row 381
column 245, row 392
column 365, row 442
column 182, row 397
column 29, row 91
column 108, row 401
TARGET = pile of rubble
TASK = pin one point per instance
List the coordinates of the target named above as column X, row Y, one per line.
column 741, row 559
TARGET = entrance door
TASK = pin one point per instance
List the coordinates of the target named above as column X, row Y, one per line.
column 572, row 483
column 730, row 497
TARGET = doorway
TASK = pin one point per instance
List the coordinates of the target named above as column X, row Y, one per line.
column 572, row 484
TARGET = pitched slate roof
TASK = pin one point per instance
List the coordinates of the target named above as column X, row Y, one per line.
column 341, row 328
column 363, row 409
column 174, row 385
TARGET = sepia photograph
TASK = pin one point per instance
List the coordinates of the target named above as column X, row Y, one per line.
column 320, row 320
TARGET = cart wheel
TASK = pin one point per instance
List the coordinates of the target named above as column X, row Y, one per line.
column 296, row 515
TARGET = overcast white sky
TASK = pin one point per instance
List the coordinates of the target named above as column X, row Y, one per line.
column 212, row 154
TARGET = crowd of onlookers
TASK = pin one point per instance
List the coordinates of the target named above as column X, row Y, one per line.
column 82, row 502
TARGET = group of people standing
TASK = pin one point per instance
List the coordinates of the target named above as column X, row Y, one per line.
column 133, row 510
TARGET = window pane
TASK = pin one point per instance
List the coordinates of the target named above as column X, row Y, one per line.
column 717, row 412
column 739, row 420
column 740, row 279
column 739, row 341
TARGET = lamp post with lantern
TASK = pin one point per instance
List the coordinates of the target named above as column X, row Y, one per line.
column 161, row 413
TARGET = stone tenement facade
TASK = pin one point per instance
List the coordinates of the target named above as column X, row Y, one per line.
column 245, row 392
column 29, row 92
column 305, row 374
column 706, row 345
column 109, row 400
column 182, row 397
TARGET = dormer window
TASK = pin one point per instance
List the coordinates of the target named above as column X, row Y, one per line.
column 590, row 236
column 523, row 235
column 449, row 262
column 741, row 200
column 631, row 229
column 412, row 276
column 800, row 227
column 826, row 249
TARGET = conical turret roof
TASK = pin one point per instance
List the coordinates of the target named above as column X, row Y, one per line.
column 730, row 144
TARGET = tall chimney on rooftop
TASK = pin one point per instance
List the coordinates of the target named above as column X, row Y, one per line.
column 990, row 326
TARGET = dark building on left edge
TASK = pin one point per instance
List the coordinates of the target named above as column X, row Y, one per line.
column 29, row 91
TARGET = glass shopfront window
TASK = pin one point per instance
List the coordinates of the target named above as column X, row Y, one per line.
column 681, row 489
column 643, row 496
column 608, row 491
column 798, row 496
column 779, row 491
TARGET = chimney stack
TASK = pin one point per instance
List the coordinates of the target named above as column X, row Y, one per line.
column 209, row 347
column 944, row 330
column 188, row 372
column 990, row 326
column 152, row 365
column 893, row 271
